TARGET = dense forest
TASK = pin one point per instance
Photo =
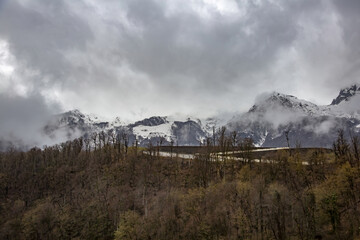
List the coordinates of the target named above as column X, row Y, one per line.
column 104, row 189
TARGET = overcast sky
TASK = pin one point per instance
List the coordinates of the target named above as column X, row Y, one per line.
column 138, row 58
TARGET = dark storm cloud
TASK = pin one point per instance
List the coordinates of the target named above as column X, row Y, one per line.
column 216, row 54
column 38, row 33
column 136, row 58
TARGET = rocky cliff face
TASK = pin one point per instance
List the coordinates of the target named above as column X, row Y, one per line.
column 346, row 94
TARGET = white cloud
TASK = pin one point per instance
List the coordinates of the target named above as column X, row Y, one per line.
column 6, row 68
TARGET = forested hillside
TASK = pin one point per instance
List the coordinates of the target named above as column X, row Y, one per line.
column 69, row 191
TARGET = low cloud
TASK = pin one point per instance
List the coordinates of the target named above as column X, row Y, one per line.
column 23, row 118
column 350, row 107
column 322, row 127
column 270, row 108
column 278, row 116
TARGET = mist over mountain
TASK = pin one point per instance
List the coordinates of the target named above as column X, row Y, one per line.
column 306, row 123
column 136, row 59
column 266, row 122
column 346, row 94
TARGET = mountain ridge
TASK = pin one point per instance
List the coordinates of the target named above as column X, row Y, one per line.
column 265, row 122
column 306, row 123
column 346, row 94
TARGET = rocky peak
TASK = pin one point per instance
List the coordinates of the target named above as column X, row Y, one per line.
column 73, row 113
column 76, row 118
column 346, row 93
column 153, row 121
column 284, row 101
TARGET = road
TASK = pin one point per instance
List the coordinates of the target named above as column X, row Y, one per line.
column 220, row 156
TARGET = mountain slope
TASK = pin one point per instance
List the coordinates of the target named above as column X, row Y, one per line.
column 346, row 94
column 266, row 123
column 305, row 123
column 154, row 130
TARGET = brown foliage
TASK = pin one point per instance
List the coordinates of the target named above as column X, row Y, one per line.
column 71, row 191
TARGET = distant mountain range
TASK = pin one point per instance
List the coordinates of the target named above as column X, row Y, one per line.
column 273, row 115
column 306, row 123
column 150, row 130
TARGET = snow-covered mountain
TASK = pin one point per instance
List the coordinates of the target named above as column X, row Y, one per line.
column 266, row 122
column 306, row 123
column 75, row 124
column 167, row 130
column 346, row 94
column 154, row 130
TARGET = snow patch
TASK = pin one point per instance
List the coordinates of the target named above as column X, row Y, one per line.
column 262, row 139
column 162, row 130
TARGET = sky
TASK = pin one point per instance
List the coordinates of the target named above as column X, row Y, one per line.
column 140, row 58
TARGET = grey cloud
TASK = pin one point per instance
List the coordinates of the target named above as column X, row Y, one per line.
column 22, row 119
column 350, row 107
column 39, row 32
column 226, row 53
column 322, row 127
column 350, row 20
column 138, row 58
